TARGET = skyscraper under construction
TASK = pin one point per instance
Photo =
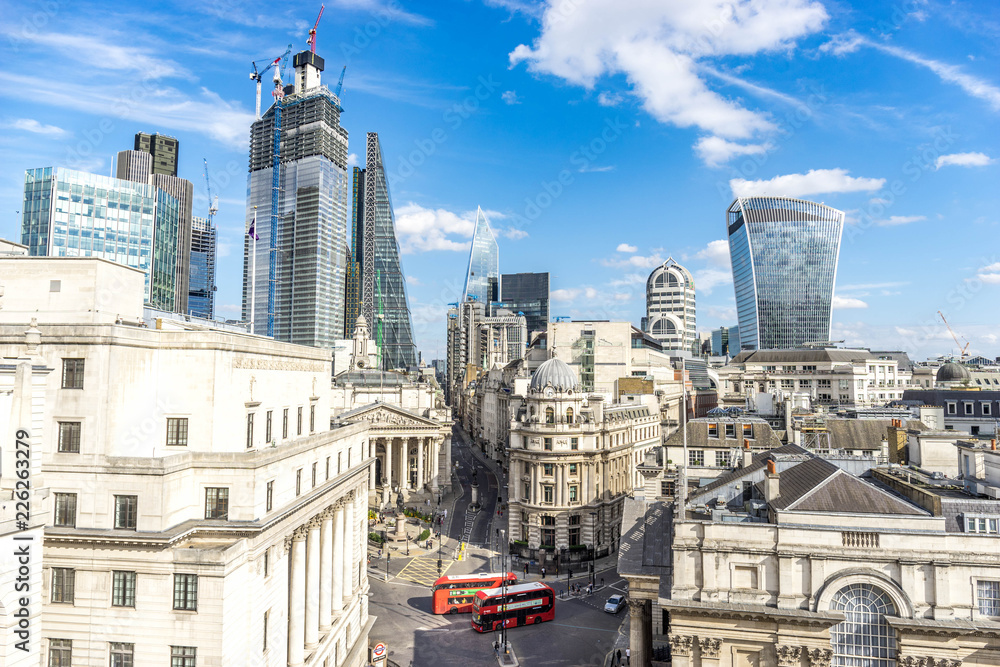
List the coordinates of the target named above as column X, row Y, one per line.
column 294, row 272
column 376, row 287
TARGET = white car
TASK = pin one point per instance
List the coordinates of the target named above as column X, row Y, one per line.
column 614, row 604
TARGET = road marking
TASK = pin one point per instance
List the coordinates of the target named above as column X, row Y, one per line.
column 582, row 627
column 423, row 570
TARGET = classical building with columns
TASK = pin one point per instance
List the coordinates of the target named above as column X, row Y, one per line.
column 201, row 509
column 793, row 561
column 572, row 461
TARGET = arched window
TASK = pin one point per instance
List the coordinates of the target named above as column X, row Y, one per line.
column 864, row 637
column 569, row 415
column 550, row 416
column 671, row 280
column 664, row 327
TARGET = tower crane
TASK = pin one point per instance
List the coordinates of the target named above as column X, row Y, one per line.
column 340, row 86
column 962, row 351
column 213, row 203
column 312, row 33
column 258, row 75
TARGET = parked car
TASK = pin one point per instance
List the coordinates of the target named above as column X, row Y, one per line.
column 614, row 604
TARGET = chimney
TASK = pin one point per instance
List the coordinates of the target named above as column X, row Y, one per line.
column 747, row 454
column 771, row 490
column 993, row 444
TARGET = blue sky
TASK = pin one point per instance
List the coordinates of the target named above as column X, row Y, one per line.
column 601, row 136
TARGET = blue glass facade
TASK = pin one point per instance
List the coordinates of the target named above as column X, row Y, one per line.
column 68, row 213
column 201, row 290
column 784, row 254
column 482, row 280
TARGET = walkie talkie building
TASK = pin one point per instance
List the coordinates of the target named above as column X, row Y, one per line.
column 784, row 253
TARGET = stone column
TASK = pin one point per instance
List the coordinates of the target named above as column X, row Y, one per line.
column 349, row 540
column 326, row 571
column 819, row 657
column 337, row 601
column 312, row 585
column 387, row 472
column 639, row 618
column 710, row 649
column 435, row 464
column 297, row 598
column 371, row 471
column 942, row 594
column 788, row 656
column 420, row 464
column 680, row 650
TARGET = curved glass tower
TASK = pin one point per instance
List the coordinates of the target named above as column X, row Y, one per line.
column 784, row 253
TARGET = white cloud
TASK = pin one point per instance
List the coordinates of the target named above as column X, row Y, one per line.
column 660, row 48
column 625, row 247
column 588, row 168
column 352, row 160
column 510, row 97
column 413, row 280
column 606, row 99
column 623, row 296
column 815, row 181
column 844, row 302
column 422, row 229
column 635, row 262
column 869, row 286
column 725, row 313
column 231, row 308
column 628, row 280
column 894, row 220
column 990, row 274
column 706, row 280
column 573, row 293
column 32, row 125
column 716, row 253
column 963, row 160
column 716, row 151
column 512, row 233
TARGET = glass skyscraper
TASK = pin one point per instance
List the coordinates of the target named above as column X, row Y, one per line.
column 310, row 247
column 784, row 253
column 482, row 280
column 375, row 266
column 527, row 293
column 69, row 213
column 201, row 291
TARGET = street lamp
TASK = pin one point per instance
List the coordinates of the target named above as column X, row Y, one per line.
column 593, row 552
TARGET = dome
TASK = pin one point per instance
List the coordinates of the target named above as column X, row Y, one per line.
column 554, row 372
column 951, row 372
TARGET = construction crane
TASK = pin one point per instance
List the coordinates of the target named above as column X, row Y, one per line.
column 340, row 86
column 258, row 75
column 962, row 351
column 312, row 33
column 213, row 204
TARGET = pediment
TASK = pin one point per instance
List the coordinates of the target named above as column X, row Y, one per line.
column 389, row 416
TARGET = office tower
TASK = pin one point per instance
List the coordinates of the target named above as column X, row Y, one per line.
column 670, row 307
column 375, row 265
column 784, row 253
column 163, row 149
column 463, row 343
column 481, row 282
column 503, row 338
column 201, row 291
column 154, row 161
column 296, row 290
column 726, row 341
column 527, row 293
column 352, row 282
column 69, row 213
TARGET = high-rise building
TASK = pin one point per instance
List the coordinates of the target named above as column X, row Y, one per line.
column 483, row 277
column 352, row 282
column 726, row 341
column 670, row 307
column 784, row 253
column 527, row 293
column 163, row 150
column 201, row 291
column 503, row 338
column 69, row 213
column 154, row 161
column 375, row 266
column 294, row 273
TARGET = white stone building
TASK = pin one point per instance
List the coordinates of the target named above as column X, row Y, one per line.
column 202, row 511
column 670, row 307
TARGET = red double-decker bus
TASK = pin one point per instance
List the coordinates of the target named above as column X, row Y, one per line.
column 455, row 593
column 521, row 604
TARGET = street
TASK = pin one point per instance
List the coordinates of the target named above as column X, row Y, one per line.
column 581, row 634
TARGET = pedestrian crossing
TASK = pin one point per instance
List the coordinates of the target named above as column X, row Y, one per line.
column 424, row 570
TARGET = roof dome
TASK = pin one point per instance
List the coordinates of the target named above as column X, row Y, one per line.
column 554, row 372
column 951, row 372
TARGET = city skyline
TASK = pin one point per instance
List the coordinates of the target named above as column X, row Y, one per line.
column 884, row 113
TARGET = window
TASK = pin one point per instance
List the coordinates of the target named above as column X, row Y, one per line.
column 314, row 475
column 284, row 423
column 183, row 656
column 122, row 589
column 952, row 408
column 988, row 597
column 65, row 510
column 548, row 537
column 696, row 457
column 217, row 503
column 298, row 482
column 864, row 637
column 730, row 430
column 527, row 491
column 547, row 493
column 266, row 614
column 267, row 562
column 969, row 408
column 748, row 431
column 548, row 444
column 312, row 418
column 328, row 467
column 339, row 463
column 63, row 584
column 298, row 422
column 572, row 468
column 574, row 537
column 573, row 489
column 249, row 430
column 122, row 654
column 550, row 416
column 269, row 497
column 126, row 510
column 267, row 426
column 548, row 469
column 667, row 488
column 574, row 444
column 72, row 375
column 177, row 431
column 69, row 437
column 722, row 459
column 569, row 415
column 574, row 520
column 60, row 652
column 986, row 409
column 713, row 430
column 186, row 592
column 975, row 523
column 548, row 521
